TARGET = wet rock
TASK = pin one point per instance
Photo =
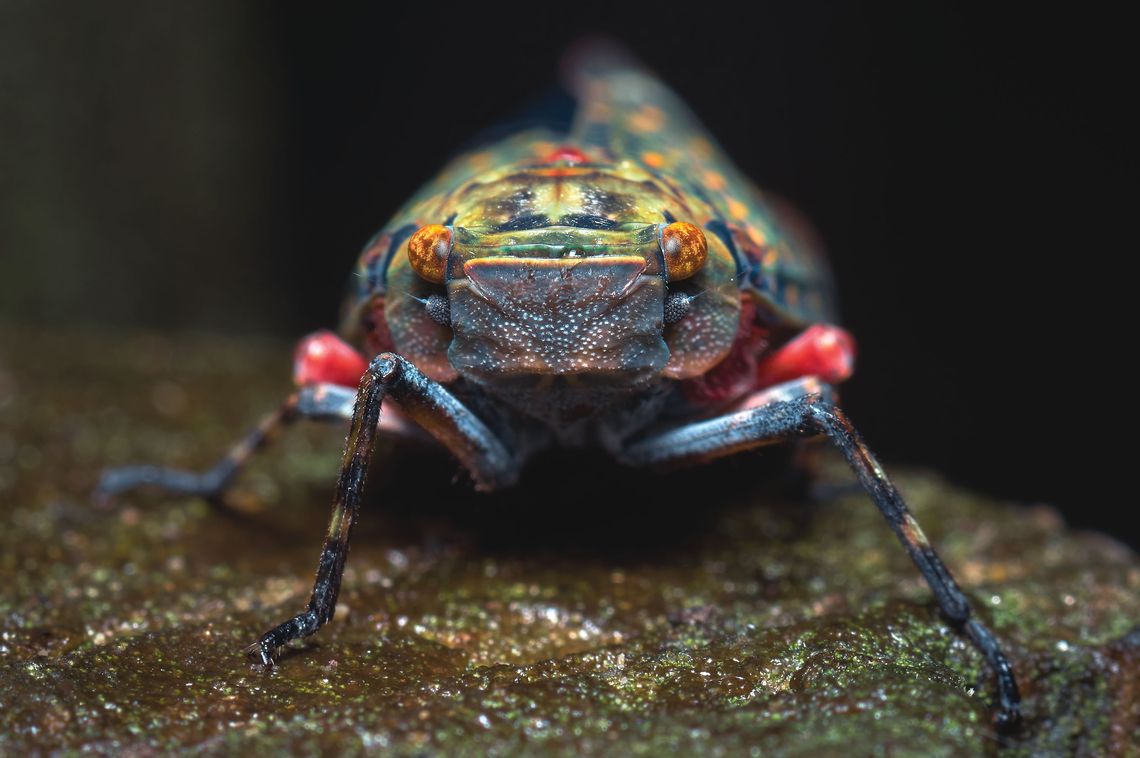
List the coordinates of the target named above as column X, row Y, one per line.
column 593, row 609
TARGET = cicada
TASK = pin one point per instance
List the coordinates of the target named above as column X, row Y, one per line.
column 614, row 283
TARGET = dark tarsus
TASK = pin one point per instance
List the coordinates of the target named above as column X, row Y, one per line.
column 798, row 409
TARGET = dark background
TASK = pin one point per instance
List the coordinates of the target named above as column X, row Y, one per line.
column 218, row 165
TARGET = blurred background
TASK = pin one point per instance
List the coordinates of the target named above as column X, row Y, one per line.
column 216, row 166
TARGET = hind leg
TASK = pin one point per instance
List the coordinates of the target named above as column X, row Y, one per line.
column 805, row 408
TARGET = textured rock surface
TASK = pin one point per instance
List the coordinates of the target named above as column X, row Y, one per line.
column 702, row 613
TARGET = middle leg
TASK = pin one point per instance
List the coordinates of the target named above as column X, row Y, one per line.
column 318, row 402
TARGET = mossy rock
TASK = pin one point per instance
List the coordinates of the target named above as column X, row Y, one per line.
column 591, row 610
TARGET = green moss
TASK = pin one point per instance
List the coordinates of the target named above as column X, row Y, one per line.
column 751, row 625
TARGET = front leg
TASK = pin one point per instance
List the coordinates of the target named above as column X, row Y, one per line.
column 805, row 408
column 435, row 409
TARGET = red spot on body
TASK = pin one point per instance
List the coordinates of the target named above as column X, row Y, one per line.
column 567, row 154
column 323, row 357
column 822, row 350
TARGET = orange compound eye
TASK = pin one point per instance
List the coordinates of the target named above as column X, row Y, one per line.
column 428, row 250
column 685, row 250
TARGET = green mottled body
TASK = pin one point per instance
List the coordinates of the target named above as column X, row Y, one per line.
column 643, row 161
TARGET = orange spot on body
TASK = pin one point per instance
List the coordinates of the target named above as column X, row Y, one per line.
column 755, row 235
column 655, row 160
column 647, row 118
column 714, row 181
column 737, row 210
column 700, row 148
column 479, row 160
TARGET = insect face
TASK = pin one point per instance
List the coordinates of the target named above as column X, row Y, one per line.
column 558, row 302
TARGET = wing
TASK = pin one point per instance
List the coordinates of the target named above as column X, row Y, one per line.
column 622, row 112
column 625, row 111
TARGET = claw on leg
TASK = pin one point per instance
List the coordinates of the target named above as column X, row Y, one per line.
column 267, row 650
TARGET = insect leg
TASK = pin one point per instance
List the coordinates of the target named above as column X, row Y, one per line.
column 431, row 406
column 805, row 408
column 320, row 401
